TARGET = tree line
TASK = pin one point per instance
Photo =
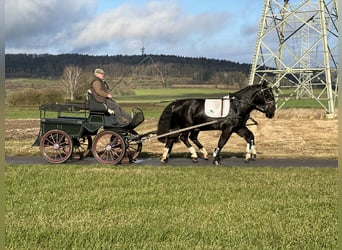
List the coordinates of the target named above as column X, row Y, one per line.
column 140, row 67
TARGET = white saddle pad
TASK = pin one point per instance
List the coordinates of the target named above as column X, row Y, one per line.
column 217, row 108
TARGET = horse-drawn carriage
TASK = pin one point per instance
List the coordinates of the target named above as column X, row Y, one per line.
column 66, row 136
column 67, row 131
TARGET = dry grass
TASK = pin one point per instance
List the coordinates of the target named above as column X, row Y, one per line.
column 293, row 133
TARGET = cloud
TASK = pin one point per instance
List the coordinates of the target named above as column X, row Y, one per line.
column 156, row 22
column 41, row 24
column 65, row 26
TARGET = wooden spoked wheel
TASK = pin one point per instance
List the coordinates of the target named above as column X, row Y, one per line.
column 109, row 147
column 133, row 147
column 56, row 146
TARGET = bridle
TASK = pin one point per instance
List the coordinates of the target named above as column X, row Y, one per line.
column 261, row 108
column 267, row 103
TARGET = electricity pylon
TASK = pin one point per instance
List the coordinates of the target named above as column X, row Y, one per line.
column 297, row 50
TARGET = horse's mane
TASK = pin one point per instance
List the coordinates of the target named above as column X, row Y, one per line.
column 242, row 92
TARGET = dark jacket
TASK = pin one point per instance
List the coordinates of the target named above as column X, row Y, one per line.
column 100, row 89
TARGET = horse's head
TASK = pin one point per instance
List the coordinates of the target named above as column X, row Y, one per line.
column 264, row 100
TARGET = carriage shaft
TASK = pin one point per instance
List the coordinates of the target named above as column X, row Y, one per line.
column 177, row 131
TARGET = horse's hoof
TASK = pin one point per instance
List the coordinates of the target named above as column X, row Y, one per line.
column 164, row 160
column 246, row 160
column 194, row 160
column 205, row 157
column 217, row 163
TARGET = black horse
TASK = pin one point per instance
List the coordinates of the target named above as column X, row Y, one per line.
column 187, row 113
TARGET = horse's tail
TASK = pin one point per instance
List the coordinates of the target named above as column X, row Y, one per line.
column 165, row 121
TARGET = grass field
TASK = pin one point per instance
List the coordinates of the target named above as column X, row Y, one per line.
column 152, row 101
column 98, row 207
column 113, row 207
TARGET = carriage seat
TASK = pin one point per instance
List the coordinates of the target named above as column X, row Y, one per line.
column 95, row 106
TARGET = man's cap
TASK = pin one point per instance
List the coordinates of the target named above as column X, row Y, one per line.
column 99, row 71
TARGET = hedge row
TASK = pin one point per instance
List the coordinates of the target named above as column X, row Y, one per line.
column 34, row 97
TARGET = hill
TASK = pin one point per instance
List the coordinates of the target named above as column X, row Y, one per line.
column 168, row 68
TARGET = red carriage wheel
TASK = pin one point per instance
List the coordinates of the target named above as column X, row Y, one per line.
column 109, row 147
column 56, row 146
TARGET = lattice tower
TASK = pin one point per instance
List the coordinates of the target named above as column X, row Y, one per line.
column 297, row 51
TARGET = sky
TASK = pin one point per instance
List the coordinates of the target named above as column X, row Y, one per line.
column 216, row 29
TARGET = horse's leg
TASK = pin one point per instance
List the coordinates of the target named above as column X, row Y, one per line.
column 222, row 141
column 184, row 138
column 194, row 138
column 167, row 149
column 253, row 150
column 249, row 138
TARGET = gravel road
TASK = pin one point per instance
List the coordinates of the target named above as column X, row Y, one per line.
column 225, row 162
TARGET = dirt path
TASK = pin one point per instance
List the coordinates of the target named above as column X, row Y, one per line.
column 293, row 133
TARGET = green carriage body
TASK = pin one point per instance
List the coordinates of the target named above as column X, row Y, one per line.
column 72, row 118
column 66, row 130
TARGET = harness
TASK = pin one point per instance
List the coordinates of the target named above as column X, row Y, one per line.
column 258, row 107
column 217, row 108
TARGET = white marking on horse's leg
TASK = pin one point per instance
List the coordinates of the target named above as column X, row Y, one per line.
column 165, row 155
column 248, row 153
column 193, row 154
column 216, row 152
column 216, row 155
column 253, row 151
column 204, row 153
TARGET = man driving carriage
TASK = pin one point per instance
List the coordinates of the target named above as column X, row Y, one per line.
column 100, row 90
